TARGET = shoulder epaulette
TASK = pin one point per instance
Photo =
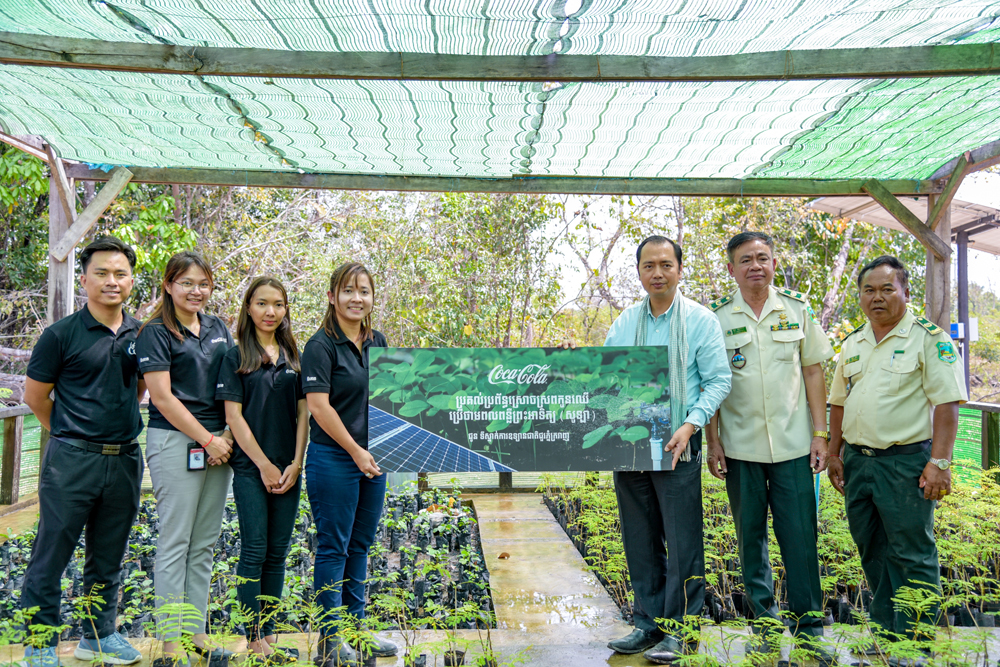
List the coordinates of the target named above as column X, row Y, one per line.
column 715, row 305
column 855, row 331
column 932, row 328
column 791, row 294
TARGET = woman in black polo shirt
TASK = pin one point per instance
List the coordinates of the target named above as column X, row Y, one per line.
column 180, row 350
column 346, row 488
column 261, row 375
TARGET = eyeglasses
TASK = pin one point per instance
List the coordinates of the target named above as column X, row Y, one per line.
column 189, row 286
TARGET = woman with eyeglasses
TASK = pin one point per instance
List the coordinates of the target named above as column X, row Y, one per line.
column 180, row 350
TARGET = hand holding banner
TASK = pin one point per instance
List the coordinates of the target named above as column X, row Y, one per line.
column 486, row 409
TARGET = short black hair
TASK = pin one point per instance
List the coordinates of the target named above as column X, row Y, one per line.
column 106, row 244
column 746, row 237
column 658, row 240
column 891, row 262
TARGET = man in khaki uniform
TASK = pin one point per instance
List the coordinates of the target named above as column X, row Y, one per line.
column 773, row 438
column 893, row 372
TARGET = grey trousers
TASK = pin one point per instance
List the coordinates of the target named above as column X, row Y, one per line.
column 190, row 505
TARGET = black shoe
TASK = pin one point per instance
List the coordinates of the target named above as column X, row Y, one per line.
column 334, row 652
column 288, row 651
column 668, row 650
column 636, row 642
column 381, row 648
column 819, row 649
column 215, row 656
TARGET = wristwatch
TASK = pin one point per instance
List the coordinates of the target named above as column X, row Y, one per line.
column 943, row 464
column 822, row 434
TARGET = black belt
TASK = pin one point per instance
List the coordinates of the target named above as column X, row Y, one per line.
column 895, row 450
column 100, row 448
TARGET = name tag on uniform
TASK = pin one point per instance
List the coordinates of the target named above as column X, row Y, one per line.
column 733, row 332
column 856, row 357
column 196, row 457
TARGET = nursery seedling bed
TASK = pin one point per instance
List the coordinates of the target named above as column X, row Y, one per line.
column 452, row 542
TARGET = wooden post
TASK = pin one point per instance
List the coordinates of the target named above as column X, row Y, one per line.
column 61, row 273
column 963, row 298
column 506, row 482
column 991, row 439
column 10, row 467
column 43, row 442
column 421, row 482
column 937, row 295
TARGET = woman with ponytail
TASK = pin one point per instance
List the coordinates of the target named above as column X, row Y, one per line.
column 180, row 350
column 345, row 486
column 266, row 410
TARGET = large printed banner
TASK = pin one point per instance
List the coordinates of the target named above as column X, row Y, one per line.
column 510, row 409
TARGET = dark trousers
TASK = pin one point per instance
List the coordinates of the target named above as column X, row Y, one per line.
column 893, row 526
column 76, row 490
column 266, row 524
column 346, row 508
column 658, row 508
column 787, row 488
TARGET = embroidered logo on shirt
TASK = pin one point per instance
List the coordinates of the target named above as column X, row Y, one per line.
column 289, row 370
column 220, row 385
column 946, row 352
column 131, row 349
column 310, row 379
column 220, row 339
column 142, row 359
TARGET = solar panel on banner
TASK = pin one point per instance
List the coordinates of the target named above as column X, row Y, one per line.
column 400, row 446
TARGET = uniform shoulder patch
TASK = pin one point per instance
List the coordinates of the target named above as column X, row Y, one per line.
column 932, row 328
column 792, row 294
column 715, row 305
column 855, row 331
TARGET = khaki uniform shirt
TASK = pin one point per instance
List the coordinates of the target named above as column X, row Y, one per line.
column 765, row 418
column 889, row 388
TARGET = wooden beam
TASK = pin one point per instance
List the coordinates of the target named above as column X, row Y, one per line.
column 61, row 272
column 943, row 200
column 709, row 187
column 858, row 209
column 980, row 158
column 874, row 63
column 119, row 178
column 67, row 194
column 26, row 146
column 10, row 464
column 883, row 196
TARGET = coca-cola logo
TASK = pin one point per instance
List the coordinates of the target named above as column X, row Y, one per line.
column 530, row 374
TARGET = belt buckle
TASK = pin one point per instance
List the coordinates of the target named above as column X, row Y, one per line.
column 867, row 451
column 111, row 450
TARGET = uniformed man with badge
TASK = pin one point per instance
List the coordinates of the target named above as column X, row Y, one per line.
column 769, row 437
column 895, row 399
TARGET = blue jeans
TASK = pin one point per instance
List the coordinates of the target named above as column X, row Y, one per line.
column 346, row 507
column 266, row 524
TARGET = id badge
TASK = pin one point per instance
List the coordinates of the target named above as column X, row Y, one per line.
column 196, row 457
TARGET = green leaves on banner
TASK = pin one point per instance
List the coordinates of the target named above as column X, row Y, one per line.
column 413, row 408
column 594, row 437
column 633, row 433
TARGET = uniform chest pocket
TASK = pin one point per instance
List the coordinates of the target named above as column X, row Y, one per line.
column 896, row 374
column 786, row 344
column 742, row 339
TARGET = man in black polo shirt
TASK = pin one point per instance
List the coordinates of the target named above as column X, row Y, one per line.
column 92, row 467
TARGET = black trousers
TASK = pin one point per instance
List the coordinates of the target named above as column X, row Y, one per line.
column 266, row 524
column 893, row 526
column 657, row 509
column 77, row 490
column 787, row 489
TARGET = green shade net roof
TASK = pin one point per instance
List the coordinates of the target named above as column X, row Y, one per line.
column 832, row 129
